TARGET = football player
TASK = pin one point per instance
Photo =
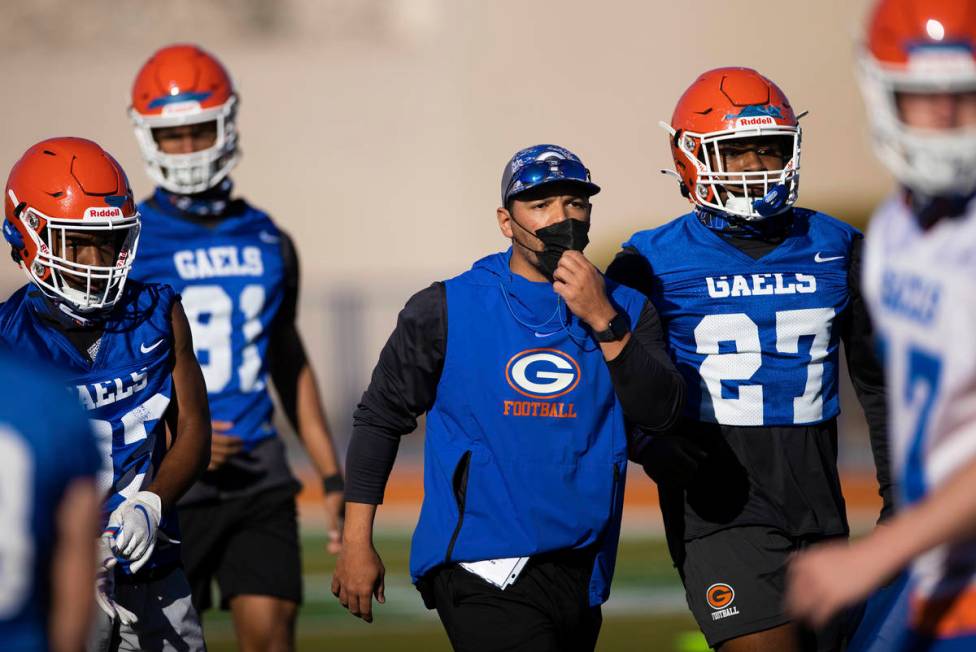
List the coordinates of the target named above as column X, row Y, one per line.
column 125, row 351
column 918, row 75
column 48, row 513
column 755, row 295
column 237, row 273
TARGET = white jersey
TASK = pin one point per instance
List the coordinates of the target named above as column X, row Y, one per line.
column 921, row 290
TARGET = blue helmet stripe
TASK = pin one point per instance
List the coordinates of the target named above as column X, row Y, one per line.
column 182, row 97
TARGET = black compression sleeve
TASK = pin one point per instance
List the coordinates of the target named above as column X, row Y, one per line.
column 649, row 387
column 403, row 387
column 867, row 375
column 289, row 304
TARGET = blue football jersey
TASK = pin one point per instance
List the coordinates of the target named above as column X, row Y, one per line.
column 230, row 275
column 45, row 445
column 125, row 390
column 756, row 340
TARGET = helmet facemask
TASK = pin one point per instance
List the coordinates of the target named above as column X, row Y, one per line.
column 84, row 287
column 194, row 172
column 745, row 194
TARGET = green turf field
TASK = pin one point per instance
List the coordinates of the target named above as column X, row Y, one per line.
column 646, row 610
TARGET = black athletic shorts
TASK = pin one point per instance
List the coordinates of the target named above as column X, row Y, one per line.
column 735, row 583
column 249, row 545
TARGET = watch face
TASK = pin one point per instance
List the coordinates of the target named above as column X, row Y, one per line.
column 618, row 327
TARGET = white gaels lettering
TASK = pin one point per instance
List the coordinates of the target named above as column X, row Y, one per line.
column 720, row 287
column 106, row 392
column 218, row 261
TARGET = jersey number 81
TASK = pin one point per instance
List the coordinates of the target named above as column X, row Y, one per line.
column 209, row 310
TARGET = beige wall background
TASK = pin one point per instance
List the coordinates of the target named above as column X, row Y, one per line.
column 375, row 131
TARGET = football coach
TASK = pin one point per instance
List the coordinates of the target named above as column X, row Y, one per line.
column 531, row 368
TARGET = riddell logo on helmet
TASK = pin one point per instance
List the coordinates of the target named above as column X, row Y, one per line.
column 103, row 213
column 754, row 122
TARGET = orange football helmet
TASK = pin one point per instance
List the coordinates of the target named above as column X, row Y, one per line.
column 921, row 46
column 185, row 85
column 722, row 105
column 62, row 186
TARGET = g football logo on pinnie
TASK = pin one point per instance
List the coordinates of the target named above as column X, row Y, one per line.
column 541, row 374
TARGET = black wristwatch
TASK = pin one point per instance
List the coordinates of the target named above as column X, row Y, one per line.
column 616, row 329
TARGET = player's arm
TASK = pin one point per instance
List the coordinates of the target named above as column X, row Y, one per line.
column 867, row 376
column 828, row 578
column 403, row 386
column 667, row 457
column 73, row 566
column 188, row 417
column 134, row 524
column 298, row 392
column 644, row 377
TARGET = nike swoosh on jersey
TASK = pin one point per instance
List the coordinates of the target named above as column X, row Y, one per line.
column 147, row 349
column 538, row 334
column 270, row 238
column 820, row 259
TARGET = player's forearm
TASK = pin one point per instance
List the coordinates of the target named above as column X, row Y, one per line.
column 73, row 567
column 185, row 461
column 947, row 515
column 188, row 416
column 312, row 427
column 358, row 530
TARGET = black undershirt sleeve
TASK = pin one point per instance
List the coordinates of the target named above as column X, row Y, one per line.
column 288, row 312
column 867, row 375
column 632, row 269
column 403, row 386
column 287, row 356
column 646, row 382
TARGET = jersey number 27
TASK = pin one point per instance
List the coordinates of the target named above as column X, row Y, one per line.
column 747, row 408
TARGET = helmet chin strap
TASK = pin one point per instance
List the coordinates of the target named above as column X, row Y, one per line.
column 772, row 203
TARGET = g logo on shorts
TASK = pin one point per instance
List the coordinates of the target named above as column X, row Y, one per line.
column 719, row 595
column 542, row 373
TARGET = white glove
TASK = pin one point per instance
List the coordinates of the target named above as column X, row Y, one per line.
column 136, row 524
column 105, row 583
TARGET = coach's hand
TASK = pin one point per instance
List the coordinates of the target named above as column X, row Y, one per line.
column 581, row 286
column 222, row 446
column 358, row 577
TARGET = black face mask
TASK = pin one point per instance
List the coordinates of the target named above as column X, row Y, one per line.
column 568, row 235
